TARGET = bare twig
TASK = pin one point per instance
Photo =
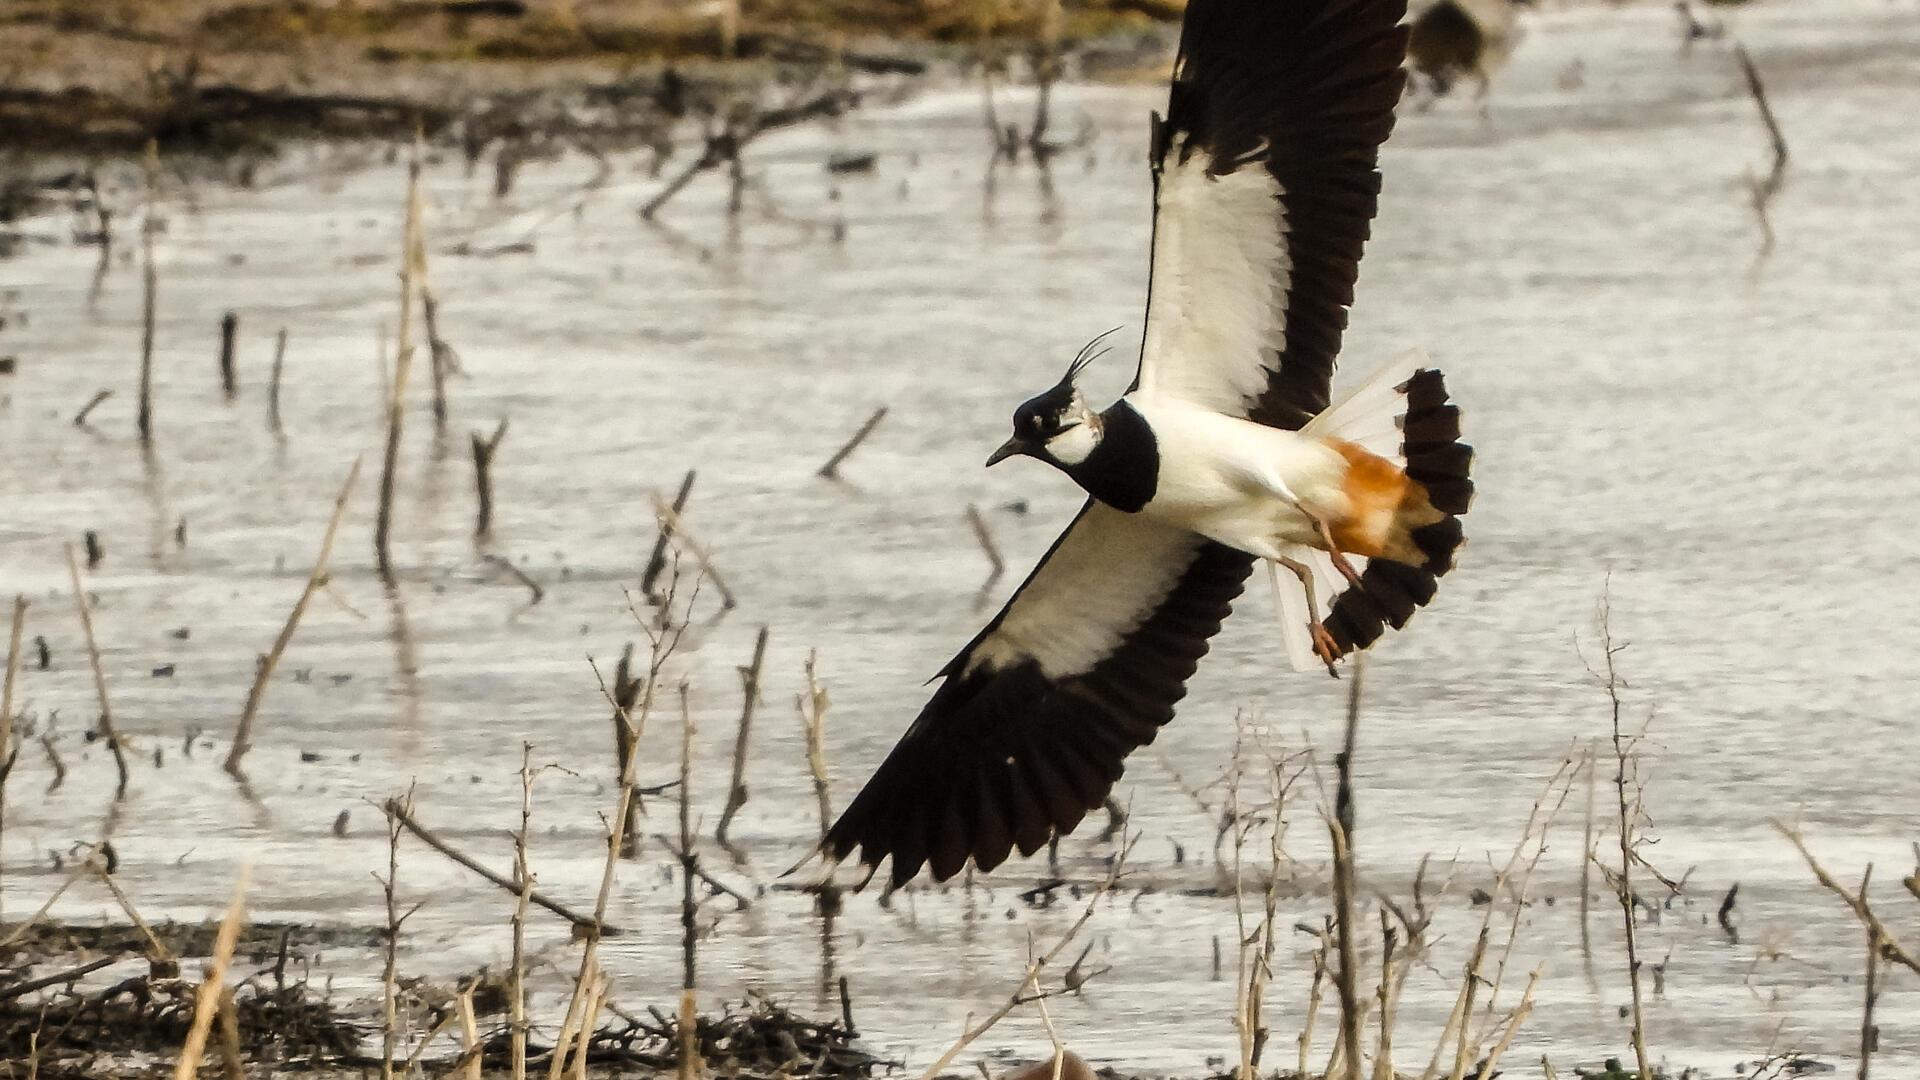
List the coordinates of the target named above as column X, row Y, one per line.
column 390, row 997
column 80, row 418
column 1029, row 990
column 106, row 727
column 403, row 816
column 742, row 900
column 831, row 470
column 58, row 978
column 1890, row 947
column 813, row 715
column 483, row 448
column 737, row 791
column 1520, row 1014
column 1622, row 751
column 444, row 360
column 243, row 735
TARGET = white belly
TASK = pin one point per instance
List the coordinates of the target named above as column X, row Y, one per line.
column 1216, row 476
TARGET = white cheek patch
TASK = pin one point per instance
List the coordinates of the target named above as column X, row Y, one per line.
column 1074, row 445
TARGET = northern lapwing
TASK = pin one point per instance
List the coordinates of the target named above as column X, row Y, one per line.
column 1226, row 452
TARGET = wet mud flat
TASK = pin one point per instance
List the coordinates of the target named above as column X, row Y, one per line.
column 1588, row 262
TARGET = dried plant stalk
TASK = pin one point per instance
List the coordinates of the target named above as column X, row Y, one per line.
column 207, row 1000
column 243, row 735
column 8, row 752
column 106, row 728
column 411, row 257
column 737, row 790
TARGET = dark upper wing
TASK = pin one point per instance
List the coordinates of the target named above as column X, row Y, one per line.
column 1265, row 187
column 1028, row 730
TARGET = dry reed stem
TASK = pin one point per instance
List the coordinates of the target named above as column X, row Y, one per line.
column 689, row 859
column 1463, row 1001
column 813, row 714
column 243, row 735
column 1305, row 1039
column 206, row 1001
column 535, row 592
column 737, row 789
column 1869, row 1034
column 273, row 383
column 404, row 817
column 157, row 950
column 1520, row 1014
column 1242, row 983
column 1890, row 946
column 1586, row 855
column 471, row 1047
column 831, row 470
column 106, row 727
column 230, row 1059
column 80, row 418
column 411, row 258
column 1031, row 980
column 1340, row 825
column 1466, row 1009
column 671, row 523
column 1569, row 768
column 390, row 995
column 689, row 1064
column 8, row 753
column 149, row 287
column 517, row 1004
column 1387, row 994
column 664, row 640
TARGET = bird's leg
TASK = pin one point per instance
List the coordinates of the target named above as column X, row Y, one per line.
column 1340, row 562
column 1323, row 644
column 1276, row 484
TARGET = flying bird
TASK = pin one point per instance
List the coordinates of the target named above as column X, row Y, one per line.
column 1226, row 451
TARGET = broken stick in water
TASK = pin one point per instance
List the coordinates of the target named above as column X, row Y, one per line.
column 403, row 816
column 243, row 735
column 1763, row 189
column 149, row 285
column 273, row 386
column 670, row 522
column 657, row 561
column 229, row 379
column 518, row 574
column 80, row 418
column 831, row 470
column 483, row 448
column 410, row 255
column 737, row 793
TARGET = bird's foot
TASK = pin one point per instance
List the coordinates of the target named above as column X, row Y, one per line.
column 1325, row 647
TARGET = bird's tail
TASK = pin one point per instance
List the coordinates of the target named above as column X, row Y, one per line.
column 1404, row 428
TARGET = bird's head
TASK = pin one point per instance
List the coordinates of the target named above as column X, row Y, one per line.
column 1057, row 426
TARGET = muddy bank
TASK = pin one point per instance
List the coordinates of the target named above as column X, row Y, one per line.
column 226, row 78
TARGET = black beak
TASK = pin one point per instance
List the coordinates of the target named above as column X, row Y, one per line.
column 1011, row 448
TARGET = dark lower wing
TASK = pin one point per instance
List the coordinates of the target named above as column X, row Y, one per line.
column 1032, row 721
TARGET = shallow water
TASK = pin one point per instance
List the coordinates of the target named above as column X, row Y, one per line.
column 1723, row 436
